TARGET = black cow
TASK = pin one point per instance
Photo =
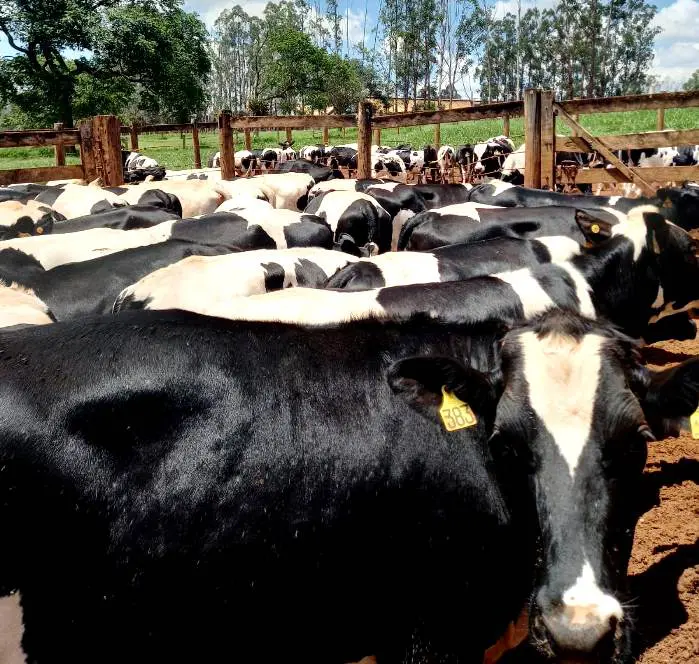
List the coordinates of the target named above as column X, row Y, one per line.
column 342, row 156
column 681, row 205
column 232, row 230
column 435, row 195
column 317, row 172
column 145, row 502
column 452, row 263
column 123, row 218
column 430, row 229
column 151, row 518
column 90, row 287
column 360, row 224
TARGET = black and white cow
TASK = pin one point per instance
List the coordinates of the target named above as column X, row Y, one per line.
column 234, row 230
column 316, row 171
column 122, row 218
column 360, row 224
column 192, row 284
column 74, row 200
column 312, row 153
column 436, row 195
column 188, row 198
column 19, row 267
column 485, row 158
column 452, row 263
column 267, row 158
column 20, row 307
column 342, row 156
column 436, row 228
column 446, row 158
column 681, row 205
column 26, row 217
column 132, row 161
column 90, row 287
column 687, row 155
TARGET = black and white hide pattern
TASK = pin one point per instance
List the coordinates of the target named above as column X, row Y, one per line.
column 361, row 226
column 476, row 222
column 74, row 200
column 122, row 218
column 20, row 307
column 452, row 263
column 20, row 218
column 90, row 287
column 188, row 198
column 214, row 160
column 446, row 158
column 203, row 284
column 316, row 171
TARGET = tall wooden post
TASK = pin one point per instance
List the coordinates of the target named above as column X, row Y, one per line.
column 59, row 149
column 326, row 136
column 548, row 141
column 106, row 145
column 248, row 139
column 134, row 136
column 195, row 144
column 437, row 135
column 660, row 119
column 364, row 140
column 225, row 143
column 289, row 137
column 377, row 136
column 532, row 138
column 506, row 125
column 87, row 153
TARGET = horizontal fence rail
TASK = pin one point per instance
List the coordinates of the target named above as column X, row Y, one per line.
column 38, row 138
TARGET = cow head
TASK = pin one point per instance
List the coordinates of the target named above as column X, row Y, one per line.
column 681, row 205
column 571, row 410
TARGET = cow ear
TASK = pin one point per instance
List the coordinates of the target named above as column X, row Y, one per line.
column 421, row 382
column 672, row 398
column 593, row 228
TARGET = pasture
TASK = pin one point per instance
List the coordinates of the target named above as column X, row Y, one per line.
column 175, row 151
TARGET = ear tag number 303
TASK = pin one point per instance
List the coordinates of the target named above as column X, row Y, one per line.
column 455, row 413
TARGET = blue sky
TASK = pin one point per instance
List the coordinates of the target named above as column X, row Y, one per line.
column 676, row 48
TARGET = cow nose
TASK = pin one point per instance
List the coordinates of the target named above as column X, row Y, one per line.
column 579, row 621
column 479, row 168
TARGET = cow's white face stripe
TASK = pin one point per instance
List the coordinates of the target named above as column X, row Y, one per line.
column 534, row 298
column 563, row 375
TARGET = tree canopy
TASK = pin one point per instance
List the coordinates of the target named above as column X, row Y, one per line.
column 692, row 83
column 151, row 53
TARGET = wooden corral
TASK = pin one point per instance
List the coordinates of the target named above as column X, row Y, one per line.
column 98, row 138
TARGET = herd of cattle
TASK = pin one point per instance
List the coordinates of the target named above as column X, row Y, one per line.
column 493, row 158
column 304, row 418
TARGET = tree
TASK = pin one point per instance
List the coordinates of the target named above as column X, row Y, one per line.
column 692, row 82
column 152, row 49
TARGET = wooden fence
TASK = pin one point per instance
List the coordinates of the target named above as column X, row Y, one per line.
column 100, row 149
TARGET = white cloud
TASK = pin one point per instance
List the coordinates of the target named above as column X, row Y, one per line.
column 209, row 10
column 677, row 46
column 503, row 7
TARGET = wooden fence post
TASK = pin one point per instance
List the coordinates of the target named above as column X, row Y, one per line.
column 106, row 146
column 576, row 117
column 195, row 144
column 134, row 136
column 326, row 136
column 377, row 136
column 248, row 139
column 225, row 143
column 364, row 140
column 87, row 154
column 59, row 149
column 506, row 125
column 660, row 119
column 289, row 137
column 437, row 135
column 532, row 138
column 548, row 141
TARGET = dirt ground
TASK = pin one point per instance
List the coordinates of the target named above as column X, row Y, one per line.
column 665, row 561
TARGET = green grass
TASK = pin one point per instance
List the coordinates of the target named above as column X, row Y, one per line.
column 174, row 152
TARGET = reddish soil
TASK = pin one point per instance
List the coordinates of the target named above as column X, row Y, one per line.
column 665, row 561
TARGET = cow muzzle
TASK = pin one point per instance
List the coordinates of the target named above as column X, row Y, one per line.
column 577, row 623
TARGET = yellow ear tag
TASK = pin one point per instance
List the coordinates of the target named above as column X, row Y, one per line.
column 694, row 424
column 594, row 228
column 455, row 413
